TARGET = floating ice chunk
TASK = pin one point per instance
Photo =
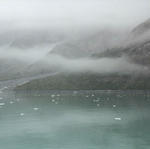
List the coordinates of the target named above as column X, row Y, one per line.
column 96, row 100
column 98, row 105
column 2, row 104
column 75, row 92
column 114, row 106
column 5, row 87
column 1, row 98
column 18, row 99
column 11, row 102
column 53, row 100
column 35, row 109
column 93, row 95
column 52, row 96
column 56, row 102
column 117, row 118
column 21, row 114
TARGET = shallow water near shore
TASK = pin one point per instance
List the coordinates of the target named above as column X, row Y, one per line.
column 75, row 120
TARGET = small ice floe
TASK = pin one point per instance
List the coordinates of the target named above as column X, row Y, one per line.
column 56, row 102
column 11, row 102
column 2, row 89
column 53, row 96
column 75, row 92
column 114, row 106
column 118, row 118
column 21, row 114
column 5, row 87
column 87, row 96
column 96, row 100
column 93, row 95
column 18, row 99
column 58, row 95
column 98, row 105
column 53, row 100
column 2, row 104
column 1, row 98
column 35, row 109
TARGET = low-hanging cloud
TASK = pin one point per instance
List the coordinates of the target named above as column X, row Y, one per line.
column 62, row 15
column 102, row 65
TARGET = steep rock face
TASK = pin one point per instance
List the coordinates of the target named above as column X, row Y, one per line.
column 88, row 45
column 137, row 41
column 138, row 47
column 142, row 28
column 140, row 34
column 139, row 54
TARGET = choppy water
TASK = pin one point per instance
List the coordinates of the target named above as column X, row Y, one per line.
column 75, row 120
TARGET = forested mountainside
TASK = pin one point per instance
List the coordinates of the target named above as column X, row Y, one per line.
column 137, row 52
column 137, row 46
column 88, row 82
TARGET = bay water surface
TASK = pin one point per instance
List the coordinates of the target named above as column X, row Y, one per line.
column 74, row 119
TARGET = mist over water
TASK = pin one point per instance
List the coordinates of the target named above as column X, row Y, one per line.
column 40, row 55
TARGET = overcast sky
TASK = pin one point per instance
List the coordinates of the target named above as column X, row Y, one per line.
column 69, row 13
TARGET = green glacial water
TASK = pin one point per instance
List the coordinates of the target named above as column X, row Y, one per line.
column 75, row 120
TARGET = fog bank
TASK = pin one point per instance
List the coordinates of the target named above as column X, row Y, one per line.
column 38, row 58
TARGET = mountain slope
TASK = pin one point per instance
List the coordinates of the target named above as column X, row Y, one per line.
column 138, row 47
column 88, row 82
column 86, row 45
column 142, row 28
column 137, row 52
